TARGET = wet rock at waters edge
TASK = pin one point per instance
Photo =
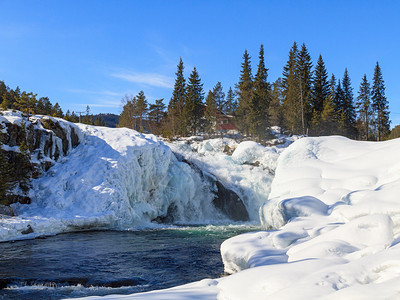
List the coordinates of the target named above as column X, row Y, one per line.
column 168, row 218
column 228, row 202
column 28, row 230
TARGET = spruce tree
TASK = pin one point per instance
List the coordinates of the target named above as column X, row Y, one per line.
column 140, row 109
column 210, row 113
column 304, row 66
column 219, row 97
column 380, row 104
column 260, row 100
column 328, row 122
column 332, row 86
column 244, row 92
column 291, row 92
column 364, row 108
column 348, row 106
column 231, row 102
column 176, row 104
column 156, row 115
column 193, row 109
column 57, row 112
column 320, row 89
column 276, row 116
column 339, row 98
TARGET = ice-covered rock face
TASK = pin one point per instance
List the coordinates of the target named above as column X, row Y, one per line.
column 120, row 179
column 245, row 168
column 43, row 139
column 47, row 138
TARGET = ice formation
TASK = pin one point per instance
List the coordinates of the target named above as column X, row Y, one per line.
column 121, row 179
column 248, row 171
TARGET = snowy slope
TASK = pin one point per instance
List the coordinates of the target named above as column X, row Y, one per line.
column 335, row 204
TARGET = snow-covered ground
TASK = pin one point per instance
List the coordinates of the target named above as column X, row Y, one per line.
column 335, row 213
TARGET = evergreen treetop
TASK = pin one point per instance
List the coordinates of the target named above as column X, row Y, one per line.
column 231, row 102
column 219, row 97
column 364, row 108
column 193, row 109
column 320, row 87
column 244, row 92
column 380, row 104
column 260, row 100
column 177, row 102
column 304, row 66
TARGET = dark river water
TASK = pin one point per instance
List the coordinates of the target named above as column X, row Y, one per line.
column 111, row 262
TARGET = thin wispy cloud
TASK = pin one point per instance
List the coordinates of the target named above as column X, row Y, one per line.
column 151, row 79
column 102, row 103
column 103, row 93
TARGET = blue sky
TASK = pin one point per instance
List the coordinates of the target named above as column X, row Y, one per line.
column 94, row 52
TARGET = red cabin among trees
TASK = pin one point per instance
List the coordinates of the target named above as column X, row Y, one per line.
column 226, row 124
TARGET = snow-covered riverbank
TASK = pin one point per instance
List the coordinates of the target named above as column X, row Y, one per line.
column 335, row 204
column 333, row 210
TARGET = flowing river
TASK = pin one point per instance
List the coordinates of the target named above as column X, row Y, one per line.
column 112, row 262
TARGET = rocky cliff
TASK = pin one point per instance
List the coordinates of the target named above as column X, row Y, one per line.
column 29, row 146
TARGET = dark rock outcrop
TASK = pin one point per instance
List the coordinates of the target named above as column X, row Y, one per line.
column 31, row 148
column 228, row 202
column 169, row 217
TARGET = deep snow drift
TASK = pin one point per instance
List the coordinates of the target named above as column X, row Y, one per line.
column 335, row 204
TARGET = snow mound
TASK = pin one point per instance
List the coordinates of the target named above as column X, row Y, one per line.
column 336, row 207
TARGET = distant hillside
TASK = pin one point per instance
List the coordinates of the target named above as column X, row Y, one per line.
column 110, row 120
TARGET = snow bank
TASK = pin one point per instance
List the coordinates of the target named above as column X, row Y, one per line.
column 336, row 205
